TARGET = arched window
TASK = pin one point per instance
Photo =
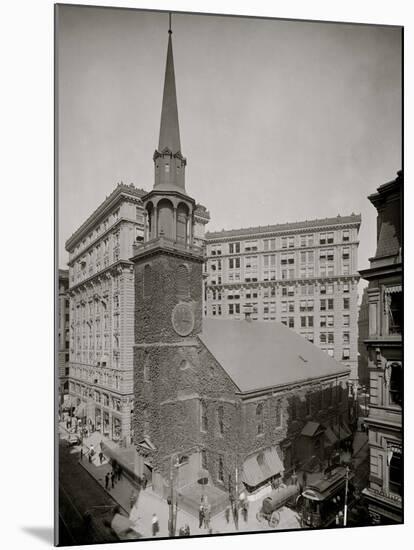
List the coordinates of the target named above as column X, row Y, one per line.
column 182, row 223
column 259, row 418
column 146, row 415
column 165, row 219
column 147, row 282
column 220, row 419
column 221, row 469
column 183, row 281
column 203, row 416
column 150, row 212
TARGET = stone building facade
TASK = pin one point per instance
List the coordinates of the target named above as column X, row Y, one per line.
column 363, row 333
column 224, row 402
column 301, row 274
column 385, row 358
column 101, row 291
column 63, row 336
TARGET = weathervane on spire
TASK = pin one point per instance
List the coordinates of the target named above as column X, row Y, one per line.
column 169, row 25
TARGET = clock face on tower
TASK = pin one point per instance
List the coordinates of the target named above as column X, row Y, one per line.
column 182, row 319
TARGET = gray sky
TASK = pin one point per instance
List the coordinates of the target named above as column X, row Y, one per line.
column 280, row 121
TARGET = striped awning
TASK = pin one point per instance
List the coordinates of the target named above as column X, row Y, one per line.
column 261, row 466
column 393, row 289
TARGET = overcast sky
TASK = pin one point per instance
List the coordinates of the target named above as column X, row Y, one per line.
column 280, row 121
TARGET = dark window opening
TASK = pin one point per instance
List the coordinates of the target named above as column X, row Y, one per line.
column 395, row 473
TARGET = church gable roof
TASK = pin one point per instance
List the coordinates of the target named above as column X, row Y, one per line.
column 259, row 354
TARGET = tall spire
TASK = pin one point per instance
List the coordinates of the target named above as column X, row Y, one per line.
column 169, row 128
column 168, row 160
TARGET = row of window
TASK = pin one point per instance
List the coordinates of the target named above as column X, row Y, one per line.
column 285, row 242
column 286, row 259
column 98, row 397
column 251, row 274
column 289, row 290
column 290, row 306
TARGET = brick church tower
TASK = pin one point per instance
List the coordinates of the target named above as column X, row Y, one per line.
column 168, row 291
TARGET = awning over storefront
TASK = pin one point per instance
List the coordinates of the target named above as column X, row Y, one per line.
column 80, row 410
column 393, row 289
column 125, row 457
column 261, row 466
column 68, row 402
column 311, row 429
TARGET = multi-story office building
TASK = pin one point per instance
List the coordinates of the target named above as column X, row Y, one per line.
column 101, row 290
column 301, row 274
column 63, row 335
column 385, row 358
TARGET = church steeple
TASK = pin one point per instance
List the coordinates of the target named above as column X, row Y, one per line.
column 169, row 127
column 169, row 162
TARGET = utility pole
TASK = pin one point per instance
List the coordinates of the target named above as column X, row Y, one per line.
column 236, row 499
column 171, row 502
column 346, row 496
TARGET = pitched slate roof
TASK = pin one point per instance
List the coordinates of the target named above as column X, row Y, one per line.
column 260, row 354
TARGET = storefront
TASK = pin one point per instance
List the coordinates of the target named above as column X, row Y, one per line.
column 116, row 428
column 106, row 426
column 98, row 419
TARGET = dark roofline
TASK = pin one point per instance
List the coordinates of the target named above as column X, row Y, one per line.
column 354, row 219
column 387, row 189
column 245, row 394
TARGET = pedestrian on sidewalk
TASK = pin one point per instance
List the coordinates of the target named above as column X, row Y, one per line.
column 187, row 530
column 133, row 498
column 81, row 453
column 119, row 472
column 101, row 456
column 113, row 479
column 227, row 514
column 107, row 481
column 207, row 515
column 245, row 510
column 155, row 525
column 200, row 516
column 144, row 481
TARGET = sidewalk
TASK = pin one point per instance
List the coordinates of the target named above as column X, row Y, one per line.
column 149, row 503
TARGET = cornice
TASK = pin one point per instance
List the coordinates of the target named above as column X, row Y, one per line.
column 113, row 269
column 111, row 229
column 293, row 228
column 381, row 271
column 121, row 192
column 161, row 247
